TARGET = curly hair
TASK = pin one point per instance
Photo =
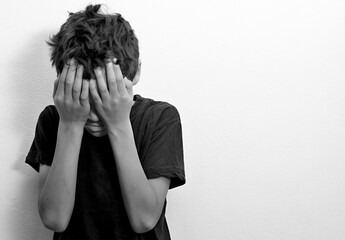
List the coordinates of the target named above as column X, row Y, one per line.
column 91, row 36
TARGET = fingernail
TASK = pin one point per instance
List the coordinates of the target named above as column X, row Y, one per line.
column 71, row 63
column 115, row 61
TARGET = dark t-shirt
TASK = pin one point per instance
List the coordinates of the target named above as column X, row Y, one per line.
column 99, row 211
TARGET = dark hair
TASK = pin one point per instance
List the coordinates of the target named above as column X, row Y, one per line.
column 89, row 37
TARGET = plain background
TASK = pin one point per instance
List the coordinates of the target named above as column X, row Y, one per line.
column 260, row 89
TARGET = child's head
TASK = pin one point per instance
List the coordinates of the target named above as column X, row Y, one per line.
column 91, row 36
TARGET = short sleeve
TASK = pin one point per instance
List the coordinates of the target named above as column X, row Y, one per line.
column 164, row 157
column 43, row 146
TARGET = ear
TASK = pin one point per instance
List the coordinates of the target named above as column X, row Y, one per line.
column 137, row 75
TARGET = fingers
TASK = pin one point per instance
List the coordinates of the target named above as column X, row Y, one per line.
column 111, row 79
column 56, row 82
column 119, row 78
column 94, row 93
column 70, row 79
column 78, row 83
column 128, row 83
column 129, row 86
column 69, row 85
column 60, row 92
column 102, row 86
column 137, row 75
column 84, row 96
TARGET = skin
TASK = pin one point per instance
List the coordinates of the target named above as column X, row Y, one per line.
column 101, row 106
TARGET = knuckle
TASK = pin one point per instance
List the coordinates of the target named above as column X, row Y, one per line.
column 69, row 84
column 67, row 102
column 69, row 81
column 83, row 97
column 118, row 101
column 103, row 90
column 95, row 98
column 75, row 90
column 57, row 99
column 72, row 66
column 98, row 72
column 112, row 81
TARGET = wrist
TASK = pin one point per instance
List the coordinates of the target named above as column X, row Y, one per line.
column 121, row 129
column 72, row 127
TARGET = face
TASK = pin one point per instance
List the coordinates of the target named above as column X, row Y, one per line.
column 94, row 124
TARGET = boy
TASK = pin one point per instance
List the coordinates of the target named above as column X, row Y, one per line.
column 106, row 158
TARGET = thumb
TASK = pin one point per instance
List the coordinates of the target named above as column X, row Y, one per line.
column 129, row 86
column 55, row 86
column 137, row 75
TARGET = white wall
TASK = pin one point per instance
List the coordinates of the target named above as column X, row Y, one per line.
column 261, row 92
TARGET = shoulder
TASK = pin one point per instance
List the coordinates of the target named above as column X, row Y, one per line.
column 49, row 111
column 158, row 112
column 49, row 117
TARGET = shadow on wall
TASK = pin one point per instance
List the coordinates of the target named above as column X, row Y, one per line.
column 31, row 76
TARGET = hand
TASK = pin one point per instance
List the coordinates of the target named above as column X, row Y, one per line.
column 113, row 105
column 71, row 95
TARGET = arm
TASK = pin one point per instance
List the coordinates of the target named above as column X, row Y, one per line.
column 143, row 198
column 58, row 182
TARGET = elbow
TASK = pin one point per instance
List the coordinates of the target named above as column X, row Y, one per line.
column 143, row 225
column 54, row 225
column 53, row 220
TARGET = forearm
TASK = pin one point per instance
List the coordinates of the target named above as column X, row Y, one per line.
column 56, row 200
column 141, row 202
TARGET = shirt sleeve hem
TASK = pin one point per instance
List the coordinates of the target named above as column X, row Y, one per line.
column 34, row 159
column 176, row 175
column 33, row 163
